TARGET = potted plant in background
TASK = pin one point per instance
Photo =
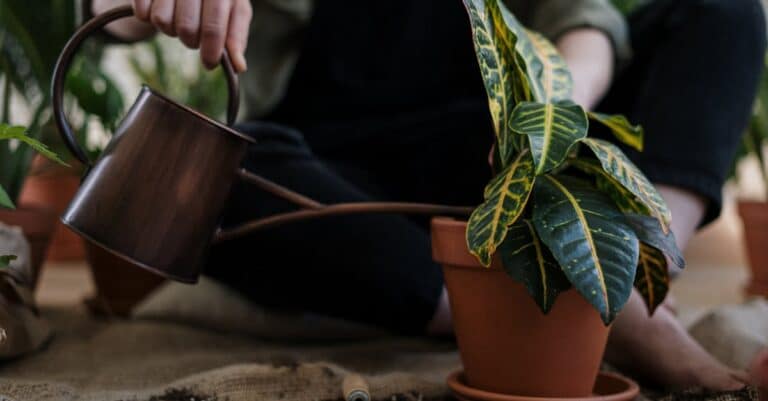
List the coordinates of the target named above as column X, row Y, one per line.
column 754, row 214
column 35, row 224
column 569, row 224
column 27, row 56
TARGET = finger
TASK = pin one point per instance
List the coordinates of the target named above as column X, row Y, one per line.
column 187, row 22
column 161, row 15
column 237, row 36
column 213, row 30
column 141, row 9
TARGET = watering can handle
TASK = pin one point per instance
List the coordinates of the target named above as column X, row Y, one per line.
column 65, row 58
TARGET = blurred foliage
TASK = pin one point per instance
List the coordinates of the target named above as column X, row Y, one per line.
column 626, row 6
column 28, row 54
column 204, row 91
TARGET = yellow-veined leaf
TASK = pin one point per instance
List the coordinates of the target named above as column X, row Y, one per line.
column 498, row 60
column 624, row 200
column 622, row 129
column 552, row 130
column 590, row 239
column 554, row 82
column 616, row 163
column 506, row 197
column 526, row 259
column 652, row 278
column 649, row 231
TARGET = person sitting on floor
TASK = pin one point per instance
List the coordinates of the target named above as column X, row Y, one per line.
column 384, row 100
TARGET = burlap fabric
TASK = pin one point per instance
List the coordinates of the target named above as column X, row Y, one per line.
column 137, row 360
column 158, row 360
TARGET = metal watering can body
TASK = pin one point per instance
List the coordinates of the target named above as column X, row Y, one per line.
column 157, row 191
column 155, row 195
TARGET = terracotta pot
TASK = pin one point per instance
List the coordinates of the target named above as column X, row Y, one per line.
column 53, row 187
column 507, row 345
column 754, row 216
column 38, row 225
column 120, row 285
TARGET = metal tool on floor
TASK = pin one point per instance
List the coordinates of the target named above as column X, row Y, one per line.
column 355, row 388
column 156, row 194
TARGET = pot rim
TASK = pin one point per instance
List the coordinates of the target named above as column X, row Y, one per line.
column 43, row 220
column 444, row 233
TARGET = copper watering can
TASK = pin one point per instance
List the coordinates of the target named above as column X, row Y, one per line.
column 155, row 195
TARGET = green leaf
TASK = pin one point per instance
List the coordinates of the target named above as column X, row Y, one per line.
column 552, row 130
column 624, row 200
column 5, row 260
column 19, row 133
column 652, row 279
column 496, row 55
column 649, row 231
column 617, row 164
column 590, row 239
column 5, row 200
column 505, row 198
column 528, row 261
column 553, row 80
column 622, row 129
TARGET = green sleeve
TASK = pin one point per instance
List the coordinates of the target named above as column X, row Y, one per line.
column 273, row 48
column 555, row 17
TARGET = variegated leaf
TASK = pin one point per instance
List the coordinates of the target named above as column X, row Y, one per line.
column 496, row 55
column 589, row 238
column 506, row 197
column 548, row 77
column 622, row 129
column 527, row 64
column 652, row 278
column 5, row 200
column 616, row 163
column 554, row 82
column 528, row 261
column 649, row 231
column 552, row 130
column 624, row 200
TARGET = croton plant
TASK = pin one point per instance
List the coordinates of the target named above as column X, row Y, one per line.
column 563, row 209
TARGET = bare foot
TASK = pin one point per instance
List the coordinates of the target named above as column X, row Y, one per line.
column 659, row 350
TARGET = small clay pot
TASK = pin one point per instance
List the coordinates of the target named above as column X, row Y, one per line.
column 120, row 285
column 38, row 225
column 53, row 187
column 507, row 345
column 754, row 216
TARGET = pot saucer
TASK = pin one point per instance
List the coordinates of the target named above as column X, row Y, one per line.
column 608, row 387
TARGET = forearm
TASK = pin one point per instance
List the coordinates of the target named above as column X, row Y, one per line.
column 590, row 57
column 127, row 29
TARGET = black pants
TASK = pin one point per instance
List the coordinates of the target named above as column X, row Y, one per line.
column 691, row 84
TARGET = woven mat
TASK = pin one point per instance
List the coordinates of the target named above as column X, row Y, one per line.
column 138, row 360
